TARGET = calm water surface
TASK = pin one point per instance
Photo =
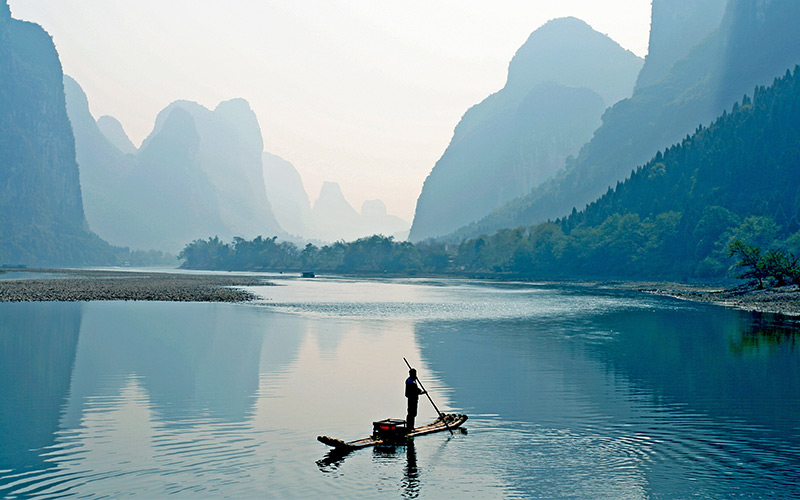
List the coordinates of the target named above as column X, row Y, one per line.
column 572, row 392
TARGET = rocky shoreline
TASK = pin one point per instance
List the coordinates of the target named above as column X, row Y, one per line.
column 779, row 300
column 64, row 285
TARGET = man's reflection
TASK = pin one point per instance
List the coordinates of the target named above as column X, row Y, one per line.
column 410, row 481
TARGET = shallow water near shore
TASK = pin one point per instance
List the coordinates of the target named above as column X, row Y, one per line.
column 572, row 392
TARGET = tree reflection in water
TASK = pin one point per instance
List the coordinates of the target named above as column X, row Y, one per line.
column 767, row 332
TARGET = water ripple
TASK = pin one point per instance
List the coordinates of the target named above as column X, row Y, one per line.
column 689, row 448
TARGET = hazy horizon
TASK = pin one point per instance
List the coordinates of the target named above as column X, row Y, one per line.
column 361, row 93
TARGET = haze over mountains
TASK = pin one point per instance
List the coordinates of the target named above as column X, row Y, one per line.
column 559, row 83
column 754, row 43
column 287, row 194
column 332, row 218
column 730, row 187
column 333, row 215
column 200, row 173
column 677, row 216
column 511, row 163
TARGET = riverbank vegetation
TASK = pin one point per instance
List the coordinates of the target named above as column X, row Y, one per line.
column 688, row 214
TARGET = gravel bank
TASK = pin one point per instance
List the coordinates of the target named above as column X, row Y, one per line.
column 79, row 285
column 783, row 300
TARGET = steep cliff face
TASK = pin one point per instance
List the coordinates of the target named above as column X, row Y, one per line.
column 759, row 43
column 558, row 85
column 755, row 43
column 287, row 195
column 103, row 169
column 41, row 210
column 676, row 27
column 39, row 167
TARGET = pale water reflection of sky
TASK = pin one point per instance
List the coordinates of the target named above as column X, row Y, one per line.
column 209, row 400
column 432, row 300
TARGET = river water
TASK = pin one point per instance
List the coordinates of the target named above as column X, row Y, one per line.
column 572, row 392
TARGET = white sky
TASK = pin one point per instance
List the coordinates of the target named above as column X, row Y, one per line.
column 361, row 92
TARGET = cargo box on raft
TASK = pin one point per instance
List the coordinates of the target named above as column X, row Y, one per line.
column 390, row 430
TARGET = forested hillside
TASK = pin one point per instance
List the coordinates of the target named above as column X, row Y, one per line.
column 755, row 42
column 674, row 218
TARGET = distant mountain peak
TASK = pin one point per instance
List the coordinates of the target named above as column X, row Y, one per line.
column 199, row 173
column 559, row 83
column 79, row 95
column 238, row 104
column 541, row 58
column 180, row 126
column 335, row 219
column 373, row 208
column 113, row 130
column 756, row 41
column 331, row 188
column 331, row 194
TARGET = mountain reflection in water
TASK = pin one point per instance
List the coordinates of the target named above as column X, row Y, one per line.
column 572, row 392
column 37, row 353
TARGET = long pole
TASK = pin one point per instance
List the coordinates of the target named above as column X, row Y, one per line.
column 441, row 415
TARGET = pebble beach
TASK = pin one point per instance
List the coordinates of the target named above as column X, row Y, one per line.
column 779, row 300
column 64, row 285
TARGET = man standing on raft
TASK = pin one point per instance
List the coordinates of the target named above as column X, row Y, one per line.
column 412, row 393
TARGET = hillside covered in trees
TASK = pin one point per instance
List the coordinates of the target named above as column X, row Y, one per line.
column 755, row 42
column 677, row 215
column 674, row 218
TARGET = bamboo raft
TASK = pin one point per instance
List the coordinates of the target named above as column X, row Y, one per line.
column 449, row 421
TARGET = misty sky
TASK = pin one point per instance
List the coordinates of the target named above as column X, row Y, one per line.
column 362, row 92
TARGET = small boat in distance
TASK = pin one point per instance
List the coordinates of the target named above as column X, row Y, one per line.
column 309, row 274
